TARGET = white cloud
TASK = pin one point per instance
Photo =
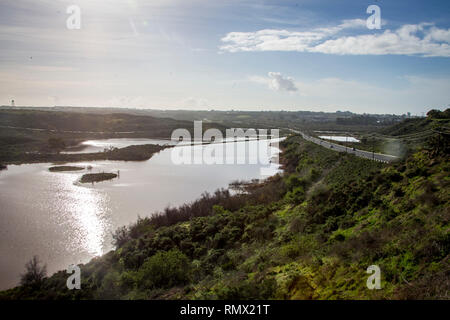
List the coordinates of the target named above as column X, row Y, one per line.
column 422, row 39
column 277, row 82
column 280, row 83
column 282, row 40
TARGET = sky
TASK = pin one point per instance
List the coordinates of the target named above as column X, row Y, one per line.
column 316, row 55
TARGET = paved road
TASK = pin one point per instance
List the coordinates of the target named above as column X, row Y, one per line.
column 340, row 148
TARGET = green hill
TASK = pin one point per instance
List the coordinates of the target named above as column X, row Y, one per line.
column 409, row 135
column 435, row 120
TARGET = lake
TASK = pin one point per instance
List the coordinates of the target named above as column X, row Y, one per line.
column 51, row 215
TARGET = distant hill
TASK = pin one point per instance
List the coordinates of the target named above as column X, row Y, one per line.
column 85, row 122
column 435, row 120
column 408, row 135
column 305, row 120
column 24, row 132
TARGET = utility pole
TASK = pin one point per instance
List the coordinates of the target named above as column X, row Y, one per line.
column 346, row 136
column 373, row 149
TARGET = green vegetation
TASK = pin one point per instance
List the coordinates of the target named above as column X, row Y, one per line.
column 28, row 135
column 130, row 153
column 35, row 273
column 97, row 177
column 407, row 136
column 302, row 120
column 64, row 168
column 308, row 234
column 77, row 122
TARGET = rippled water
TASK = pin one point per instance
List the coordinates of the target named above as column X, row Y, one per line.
column 50, row 215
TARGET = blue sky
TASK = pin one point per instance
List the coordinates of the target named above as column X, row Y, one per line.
column 248, row 55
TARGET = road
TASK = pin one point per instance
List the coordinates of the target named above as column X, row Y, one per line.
column 340, row 148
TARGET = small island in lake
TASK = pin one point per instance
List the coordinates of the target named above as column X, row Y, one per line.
column 97, row 177
column 64, row 168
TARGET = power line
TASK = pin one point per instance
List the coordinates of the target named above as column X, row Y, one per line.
column 403, row 136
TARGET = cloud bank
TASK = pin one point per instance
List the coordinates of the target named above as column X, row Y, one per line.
column 424, row 39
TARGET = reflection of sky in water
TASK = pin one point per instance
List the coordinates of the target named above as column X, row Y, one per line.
column 44, row 213
column 47, row 214
column 82, row 210
column 249, row 153
column 100, row 145
column 87, row 206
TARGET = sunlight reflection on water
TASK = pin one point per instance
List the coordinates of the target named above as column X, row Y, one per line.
column 51, row 215
column 83, row 209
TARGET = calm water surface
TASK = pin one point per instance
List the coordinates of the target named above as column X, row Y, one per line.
column 90, row 146
column 51, row 215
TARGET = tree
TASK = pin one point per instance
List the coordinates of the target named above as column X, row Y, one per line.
column 446, row 114
column 120, row 237
column 433, row 114
column 437, row 114
column 34, row 274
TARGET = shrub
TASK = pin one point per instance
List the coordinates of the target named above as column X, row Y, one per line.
column 293, row 181
column 109, row 288
column 164, row 270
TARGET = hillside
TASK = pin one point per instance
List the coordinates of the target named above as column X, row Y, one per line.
column 310, row 234
column 407, row 136
column 71, row 121
column 33, row 135
column 435, row 120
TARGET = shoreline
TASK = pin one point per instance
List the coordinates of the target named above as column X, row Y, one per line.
column 243, row 184
column 130, row 153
